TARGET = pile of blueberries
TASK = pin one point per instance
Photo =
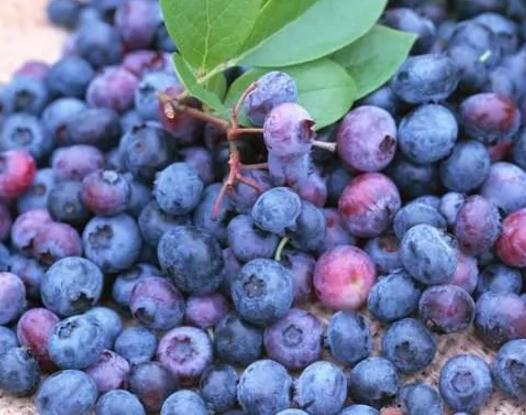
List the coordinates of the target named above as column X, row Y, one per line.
column 132, row 283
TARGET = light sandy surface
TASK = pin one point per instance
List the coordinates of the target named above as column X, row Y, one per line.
column 25, row 34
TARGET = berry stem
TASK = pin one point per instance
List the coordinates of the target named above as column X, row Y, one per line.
column 326, row 146
column 281, row 248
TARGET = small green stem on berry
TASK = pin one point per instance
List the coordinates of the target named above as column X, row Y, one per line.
column 281, row 248
column 325, row 146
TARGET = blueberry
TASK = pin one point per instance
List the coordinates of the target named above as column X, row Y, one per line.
column 277, row 210
column 426, row 78
column 414, row 180
column 70, row 77
column 64, row 203
column 113, row 243
column 36, row 196
column 359, row 410
column 336, row 232
column 384, row 98
column 416, row 213
column 125, row 282
column 264, row 388
column 420, row 399
column 93, row 126
column 465, row 383
column 154, row 223
column 26, row 94
column 184, row 402
column 263, row 291
column 499, row 278
column 321, row 389
column 409, row 20
column 236, row 341
column 178, row 189
column 505, row 186
column 99, row 44
column 76, row 342
column 63, row 12
column 374, row 381
column 152, row 384
column 248, row 241
column 140, row 195
column 55, row 241
column 186, row 352
column 76, row 162
column 409, row 345
column 205, row 311
column 109, row 372
column 384, row 251
column 137, row 22
column 368, row 204
column 466, row 275
column 147, row 148
column 110, row 322
column 367, row 138
column 119, row 402
column 474, row 50
column 428, row 255
column 450, row 204
column 71, row 285
column 499, row 318
column 446, row 308
column 112, row 88
column 218, row 387
column 509, row 369
column 292, row 412
column 12, row 297
column 310, row 228
column 55, row 392
column 294, row 340
column 488, row 117
column 19, row 372
column 206, row 217
column 33, row 331
column 343, row 277
column 394, row 296
column 136, row 344
column 477, row 225
column 313, row 188
column 106, row 192
column 302, row 267
column 25, row 132
column 142, row 61
column 272, row 89
column 192, row 258
column 26, row 226
column 157, row 304
column 288, row 132
column 348, row 337
column 8, row 339
column 145, row 98
column 428, row 134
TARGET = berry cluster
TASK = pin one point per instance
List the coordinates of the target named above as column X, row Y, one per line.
column 155, row 258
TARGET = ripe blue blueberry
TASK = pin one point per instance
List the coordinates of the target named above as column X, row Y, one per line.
column 218, row 387
column 264, row 388
column 348, row 337
column 19, row 372
column 465, row 383
column 263, row 291
column 509, row 369
column 321, row 389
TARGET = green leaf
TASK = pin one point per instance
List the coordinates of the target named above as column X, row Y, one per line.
column 217, row 84
column 324, row 28
column 325, row 89
column 374, row 58
column 209, row 98
column 209, row 32
column 273, row 16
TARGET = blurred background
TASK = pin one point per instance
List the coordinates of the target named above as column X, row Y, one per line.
column 26, row 34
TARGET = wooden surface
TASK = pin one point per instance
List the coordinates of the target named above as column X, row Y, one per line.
column 25, row 34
